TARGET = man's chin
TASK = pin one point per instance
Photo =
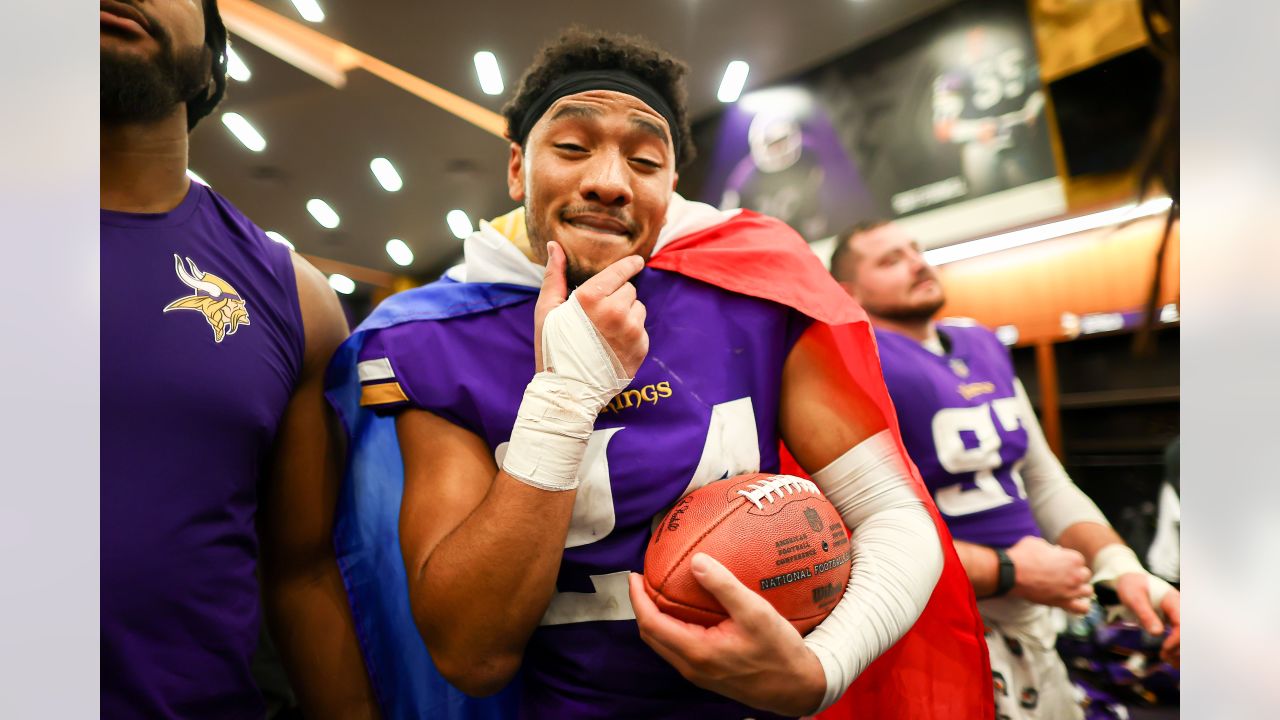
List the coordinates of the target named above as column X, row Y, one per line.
column 594, row 242
column 916, row 312
column 590, row 252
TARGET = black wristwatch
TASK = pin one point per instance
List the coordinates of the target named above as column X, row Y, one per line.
column 1005, row 577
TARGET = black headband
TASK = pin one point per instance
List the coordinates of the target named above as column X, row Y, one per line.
column 585, row 80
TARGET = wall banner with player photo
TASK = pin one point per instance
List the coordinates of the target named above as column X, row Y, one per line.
column 947, row 111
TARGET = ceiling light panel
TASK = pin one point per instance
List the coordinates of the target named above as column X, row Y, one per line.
column 323, row 213
column 488, row 72
column 341, row 283
column 236, row 67
column 735, row 77
column 386, row 174
column 309, row 10
column 244, row 132
column 459, row 224
column 400, row 253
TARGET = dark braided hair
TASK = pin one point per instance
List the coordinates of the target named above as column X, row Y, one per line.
column 215, row 38
column 581, row 49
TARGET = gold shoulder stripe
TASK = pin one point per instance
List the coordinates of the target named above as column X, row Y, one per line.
column 382, row 394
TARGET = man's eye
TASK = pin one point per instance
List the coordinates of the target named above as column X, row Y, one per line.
column 647, row 163
column 571, row 147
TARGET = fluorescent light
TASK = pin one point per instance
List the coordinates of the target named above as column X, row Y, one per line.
column 735, row 76
column 196, row 177
column 309, row 10
column 243, row 131
column 400, row 253
column 459, row 223
column 323, row 214
column 1026, row 236
column 490, row 75
column 236, row 67
column 342, row 283
column 386, row 174
column 280, row 239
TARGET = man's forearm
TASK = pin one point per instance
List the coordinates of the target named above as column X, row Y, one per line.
column 482, row 591
column 981, row 565
column 1087, row 538
column 311, row 624
column 896, row 563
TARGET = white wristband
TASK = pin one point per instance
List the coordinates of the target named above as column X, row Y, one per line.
column 561, row 403
column 1118, row 559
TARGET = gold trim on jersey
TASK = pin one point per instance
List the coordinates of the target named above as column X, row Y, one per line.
column 382, row 394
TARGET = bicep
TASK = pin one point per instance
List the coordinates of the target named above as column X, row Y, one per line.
column 301, row 493
column 447, row 473
column 825, row 411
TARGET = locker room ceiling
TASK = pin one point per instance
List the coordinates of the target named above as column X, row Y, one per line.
column 320, row 140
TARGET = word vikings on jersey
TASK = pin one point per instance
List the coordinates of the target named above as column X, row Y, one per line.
column 223, row 308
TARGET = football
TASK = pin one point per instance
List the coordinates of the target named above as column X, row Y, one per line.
column 776, row 533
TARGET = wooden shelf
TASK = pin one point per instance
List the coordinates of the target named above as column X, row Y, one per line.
column 1115, row 398
column 1094, row 461
column 1078, row 449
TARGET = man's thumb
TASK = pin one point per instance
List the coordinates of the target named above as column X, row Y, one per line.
column 554, row 288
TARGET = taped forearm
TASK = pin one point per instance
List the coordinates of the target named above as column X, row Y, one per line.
column 1056, row 502
column 897, row 559
column 561, row 403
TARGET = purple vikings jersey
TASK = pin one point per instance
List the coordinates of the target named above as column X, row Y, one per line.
column 961, row 426
column 201, row 347
column 703, row 406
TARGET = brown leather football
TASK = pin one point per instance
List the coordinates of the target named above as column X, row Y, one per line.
column 776, row 533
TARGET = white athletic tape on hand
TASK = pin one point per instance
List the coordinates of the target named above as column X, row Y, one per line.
column 1118, row 559
column 561, row 403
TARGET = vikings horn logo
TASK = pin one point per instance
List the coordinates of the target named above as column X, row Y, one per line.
column 221, row 305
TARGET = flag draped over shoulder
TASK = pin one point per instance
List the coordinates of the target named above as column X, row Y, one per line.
column 938, row 670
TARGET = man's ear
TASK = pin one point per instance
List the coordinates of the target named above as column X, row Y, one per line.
column 515, row 173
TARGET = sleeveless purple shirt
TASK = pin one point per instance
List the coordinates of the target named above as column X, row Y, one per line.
column 202, row 345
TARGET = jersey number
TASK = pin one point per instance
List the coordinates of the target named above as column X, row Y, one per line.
column 731, row 448
column 949, row 426
column 998, row 78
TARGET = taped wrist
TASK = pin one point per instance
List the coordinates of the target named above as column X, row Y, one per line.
column 562, row 401
column 1118, row 559
column 897, row 559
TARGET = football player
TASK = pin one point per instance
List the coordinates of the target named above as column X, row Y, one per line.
column 1029, row 538
column 214, row 344
column 603, row 350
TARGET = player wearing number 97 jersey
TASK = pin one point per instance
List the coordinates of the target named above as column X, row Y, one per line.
column 1028, row 537
column 963, row 424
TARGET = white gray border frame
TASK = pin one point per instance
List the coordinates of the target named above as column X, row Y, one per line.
column 1230, row 345
column 49, row 324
